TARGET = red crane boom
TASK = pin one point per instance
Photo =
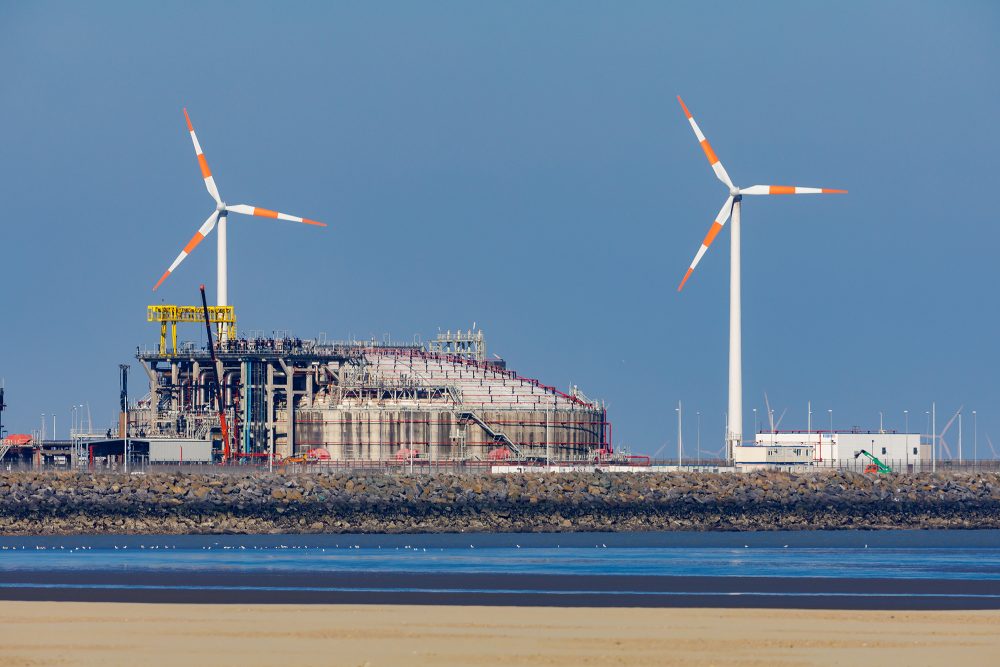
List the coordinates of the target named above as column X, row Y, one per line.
column 218, row 385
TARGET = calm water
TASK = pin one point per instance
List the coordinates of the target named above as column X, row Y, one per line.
column 942, row 555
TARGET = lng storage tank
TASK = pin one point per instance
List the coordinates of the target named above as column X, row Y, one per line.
column 312, row 400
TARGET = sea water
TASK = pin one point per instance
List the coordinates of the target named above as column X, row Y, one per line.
column 942, row 555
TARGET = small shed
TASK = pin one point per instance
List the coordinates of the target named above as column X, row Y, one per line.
column 180, row 451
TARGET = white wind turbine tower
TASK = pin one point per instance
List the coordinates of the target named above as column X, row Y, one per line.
column 219, row 215
column 734, row 427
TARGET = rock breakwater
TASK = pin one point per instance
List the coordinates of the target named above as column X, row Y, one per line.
column 58, row 503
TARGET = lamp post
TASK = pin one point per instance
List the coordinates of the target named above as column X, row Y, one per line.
column 698, row 438
column 680, row 443
column 830, row 410
column 928, row 431
column 960, row 438
column 881, row 428
column 975, row 438
column 906, row 429
column 755, row 423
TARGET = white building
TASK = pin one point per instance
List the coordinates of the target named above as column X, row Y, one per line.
column 901, row 451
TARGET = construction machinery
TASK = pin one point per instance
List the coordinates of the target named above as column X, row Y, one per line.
column 876, row 467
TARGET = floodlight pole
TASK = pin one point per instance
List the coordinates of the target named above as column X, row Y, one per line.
column 933, row 437
column 975, row 438
column 680, row 445
column 698, row 438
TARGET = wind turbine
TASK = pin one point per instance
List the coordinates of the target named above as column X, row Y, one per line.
column 734, row 427
column 219, row 215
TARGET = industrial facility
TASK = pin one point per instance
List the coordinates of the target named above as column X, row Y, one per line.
column 289, row 399
column 282, row 399
column 285, row 399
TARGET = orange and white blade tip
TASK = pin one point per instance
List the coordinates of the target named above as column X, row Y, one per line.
column 268, row 213
column 684, row 106
column 789, row 190
column 798, row 190
column 188, row 119
column 686, row 276
column 162, row 278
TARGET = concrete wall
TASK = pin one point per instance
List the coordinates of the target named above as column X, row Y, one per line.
column 439, row 434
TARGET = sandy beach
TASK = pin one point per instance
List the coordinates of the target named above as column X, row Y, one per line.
column 71, row 633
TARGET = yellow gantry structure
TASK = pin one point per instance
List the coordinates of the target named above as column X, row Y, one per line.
column 172, row 315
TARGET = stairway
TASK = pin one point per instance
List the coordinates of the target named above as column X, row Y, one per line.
column 498, row 437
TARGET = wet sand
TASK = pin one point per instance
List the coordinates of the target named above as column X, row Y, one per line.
column 97, row 633
column 499, row 589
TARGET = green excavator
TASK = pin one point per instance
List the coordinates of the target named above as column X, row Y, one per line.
column 876, row 467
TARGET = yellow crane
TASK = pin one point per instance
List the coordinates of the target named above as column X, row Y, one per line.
column 173, row 315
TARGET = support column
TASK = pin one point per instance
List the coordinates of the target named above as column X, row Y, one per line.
column 222, row 271
column 153, row 394
column 244, row 393
column 174, row 387
column 270, row 408
column 735, row 435
column 290, row 402
column 220, row 381
column 197, row 398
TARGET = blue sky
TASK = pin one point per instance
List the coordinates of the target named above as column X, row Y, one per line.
column 526, row 166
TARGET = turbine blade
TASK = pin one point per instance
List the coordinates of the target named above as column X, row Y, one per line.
column 990, row 442
column 788, row 190
column 206, row 173
column 777, row 424
column 713, row 231
column 713, row 159
column 265, row 213
column 199, row 235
